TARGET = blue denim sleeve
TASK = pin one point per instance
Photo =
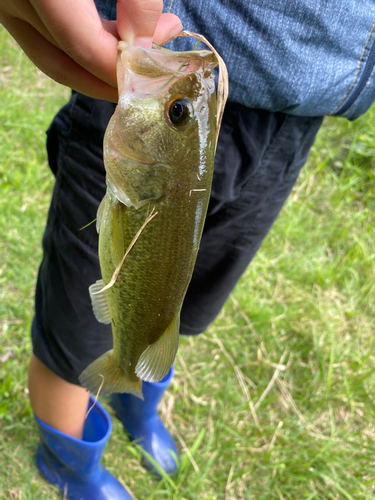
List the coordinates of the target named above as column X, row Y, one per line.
column 302, row 57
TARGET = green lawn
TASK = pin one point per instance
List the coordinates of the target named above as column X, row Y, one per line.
column 276, row 400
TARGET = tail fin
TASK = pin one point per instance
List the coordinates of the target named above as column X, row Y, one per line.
column 104, row 374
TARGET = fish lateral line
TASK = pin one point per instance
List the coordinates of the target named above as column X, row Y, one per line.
column 133, row 242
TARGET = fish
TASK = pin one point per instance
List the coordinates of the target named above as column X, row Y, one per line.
column 159, row 150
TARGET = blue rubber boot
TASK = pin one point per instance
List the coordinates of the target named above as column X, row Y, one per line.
column 142, row 422
column 73, row 465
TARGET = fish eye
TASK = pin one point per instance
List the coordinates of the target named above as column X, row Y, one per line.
column 179, row 111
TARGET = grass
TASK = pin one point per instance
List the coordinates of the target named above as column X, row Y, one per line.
column 276, row 400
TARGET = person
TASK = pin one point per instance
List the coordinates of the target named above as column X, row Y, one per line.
column 289, row 65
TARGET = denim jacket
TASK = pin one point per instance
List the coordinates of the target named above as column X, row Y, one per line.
column 303, row 57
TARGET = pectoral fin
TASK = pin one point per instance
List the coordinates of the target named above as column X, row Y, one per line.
column 155, row 361
column 100, row 303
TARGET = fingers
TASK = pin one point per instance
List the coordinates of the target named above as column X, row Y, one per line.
column 58, row 65
column 137, row 20
column 23, row 10
column 69, row 41
column 85, row 38
column 77, row 29
column 168, row 26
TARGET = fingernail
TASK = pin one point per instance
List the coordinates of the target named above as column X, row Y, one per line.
column 176, row 29
column 143, row 41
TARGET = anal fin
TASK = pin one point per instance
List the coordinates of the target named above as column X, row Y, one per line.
column 155, row 361
column 100, row 303
column 104, row 374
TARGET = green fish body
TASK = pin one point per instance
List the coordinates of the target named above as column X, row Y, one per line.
column 159, row 155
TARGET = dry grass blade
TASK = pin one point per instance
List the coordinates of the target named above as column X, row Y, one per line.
column 168, row 416
column 184, row 447
column 223, row 83
column 170, row 6
column 274, row 437
column 9, row 353
column 96, row 397
column 130, row 492
column 281, row 496
column 244, row 316
column 240, row 377
column 186, row 371
column 193, row 190
column 15, row 494
column 229, row 480
column 289, row 399
column 271, row 382
column 133, row 242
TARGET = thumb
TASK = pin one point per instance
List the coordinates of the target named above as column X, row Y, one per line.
column 137, row 20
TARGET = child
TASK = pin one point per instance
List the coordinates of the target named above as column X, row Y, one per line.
column 289, row 65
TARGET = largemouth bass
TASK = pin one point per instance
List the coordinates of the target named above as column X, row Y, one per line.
column 159, row 156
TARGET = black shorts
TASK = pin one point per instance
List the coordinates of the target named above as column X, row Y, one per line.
column 258, row 160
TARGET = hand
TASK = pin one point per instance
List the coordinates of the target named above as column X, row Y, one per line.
column 71, row 43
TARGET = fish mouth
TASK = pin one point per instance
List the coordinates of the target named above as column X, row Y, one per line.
column 151, row 71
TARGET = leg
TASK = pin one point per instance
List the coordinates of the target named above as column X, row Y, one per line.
column 258, row 160
column 66, row 337
column 58, row 403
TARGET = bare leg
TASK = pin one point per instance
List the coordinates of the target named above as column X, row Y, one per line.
column 56, row 402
